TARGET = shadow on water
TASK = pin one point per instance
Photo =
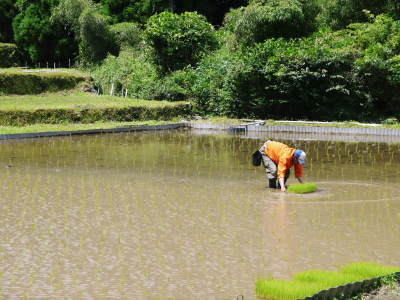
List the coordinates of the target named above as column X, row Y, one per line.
column 185, row 216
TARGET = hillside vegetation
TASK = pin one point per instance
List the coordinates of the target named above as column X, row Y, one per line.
column 287, row 59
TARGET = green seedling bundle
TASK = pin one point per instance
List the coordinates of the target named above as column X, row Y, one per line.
column 308, row 283
column 302, row 188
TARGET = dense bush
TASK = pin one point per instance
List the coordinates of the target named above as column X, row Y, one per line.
column 349, row 74
column 179, row 40
column 135, row 72
column 133, row 11
column 127, row 35
column 271, row 19
column 212, row 83
column 130, row 70
column 9, row 55
column 337, row 14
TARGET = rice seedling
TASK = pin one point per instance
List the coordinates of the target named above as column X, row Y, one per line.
column 367, row 270
column 302, row 188
column 286, row 289
column 309, row 283
column 327, row 278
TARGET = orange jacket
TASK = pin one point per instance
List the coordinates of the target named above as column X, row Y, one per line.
column 282, row 156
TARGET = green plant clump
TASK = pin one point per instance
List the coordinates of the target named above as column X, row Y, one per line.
column 308, row 283
column 302, row 188
column 9, row 55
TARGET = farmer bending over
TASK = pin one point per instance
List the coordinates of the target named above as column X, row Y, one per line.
column 278, row 158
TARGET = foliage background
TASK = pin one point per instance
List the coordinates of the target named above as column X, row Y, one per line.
column 289, row 59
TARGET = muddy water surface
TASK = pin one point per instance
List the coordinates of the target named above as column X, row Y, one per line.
column 175, row 215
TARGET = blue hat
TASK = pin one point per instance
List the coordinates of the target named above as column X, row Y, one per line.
column 300, row 155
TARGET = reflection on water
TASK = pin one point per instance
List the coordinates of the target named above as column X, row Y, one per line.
column 183, row 216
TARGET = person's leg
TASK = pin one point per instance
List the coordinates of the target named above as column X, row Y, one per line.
column 270, row 170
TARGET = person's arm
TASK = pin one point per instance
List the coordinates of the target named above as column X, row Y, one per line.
column 281, row 173
column 282, row 184
column 298, row 168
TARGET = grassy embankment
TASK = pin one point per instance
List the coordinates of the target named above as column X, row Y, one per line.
column 308, row 283
column 23, row 108
column 52, row 100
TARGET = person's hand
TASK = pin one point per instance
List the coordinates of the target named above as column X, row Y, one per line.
column 283, row 189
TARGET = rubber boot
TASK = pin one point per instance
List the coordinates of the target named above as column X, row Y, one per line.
column 272, row 183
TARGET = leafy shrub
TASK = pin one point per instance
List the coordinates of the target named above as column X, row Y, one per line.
column 128, row 70
column 212, row 85
column 179, row 40
column 137, row 73
column 390, row 121
column 133, row 11
column 271, row 19
column 175, row 86
column 337, row 14
column 127, row 34
column 9, row 55
column 352, row 74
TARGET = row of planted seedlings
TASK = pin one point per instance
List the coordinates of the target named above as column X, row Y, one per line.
column 309, row 283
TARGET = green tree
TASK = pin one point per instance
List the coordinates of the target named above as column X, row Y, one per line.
column 90, row 28
column 179, row 40
column 37, row 37
column 213, row 10
column 337, row 14
column 7, row 13
column 133, row 11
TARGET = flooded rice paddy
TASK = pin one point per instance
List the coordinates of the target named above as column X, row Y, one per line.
column 177, row 215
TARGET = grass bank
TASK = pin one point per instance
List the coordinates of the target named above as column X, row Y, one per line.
column 79, row 126
column 84, row 108
column 20, row 81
